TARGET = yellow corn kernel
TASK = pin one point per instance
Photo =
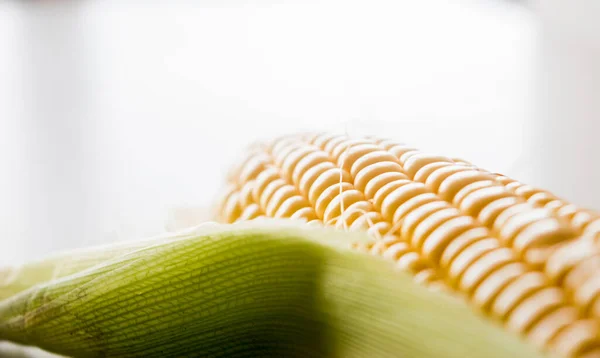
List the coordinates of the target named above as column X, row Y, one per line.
column 521, row 255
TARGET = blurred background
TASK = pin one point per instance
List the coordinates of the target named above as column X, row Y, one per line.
column 113, row 113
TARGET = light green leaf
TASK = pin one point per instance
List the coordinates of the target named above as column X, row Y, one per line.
column 242, row 290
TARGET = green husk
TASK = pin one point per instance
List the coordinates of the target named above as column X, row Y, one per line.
column 243, row 290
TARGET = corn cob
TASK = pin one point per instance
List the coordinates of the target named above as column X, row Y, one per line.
column 521, row 255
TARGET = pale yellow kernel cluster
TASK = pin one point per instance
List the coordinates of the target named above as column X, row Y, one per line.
column 521, row 255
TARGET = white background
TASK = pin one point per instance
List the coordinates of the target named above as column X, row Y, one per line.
column 114, row 112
